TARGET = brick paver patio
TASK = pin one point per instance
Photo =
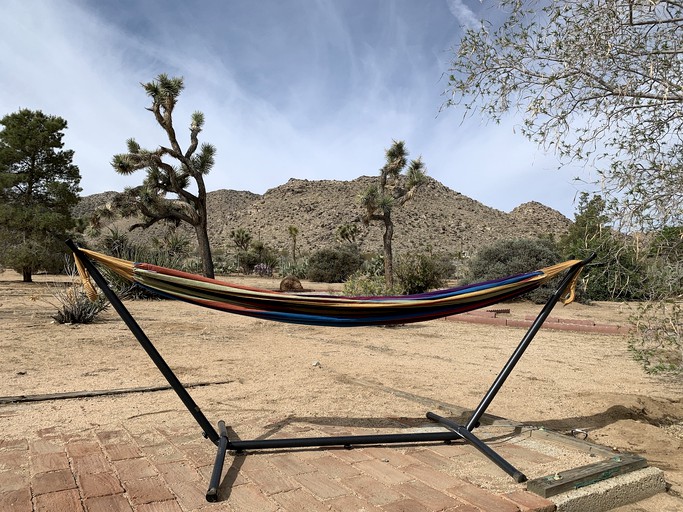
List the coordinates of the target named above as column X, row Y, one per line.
column 158, row 470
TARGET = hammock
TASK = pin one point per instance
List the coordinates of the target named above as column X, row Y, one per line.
column 323, row 310
column 333, row 311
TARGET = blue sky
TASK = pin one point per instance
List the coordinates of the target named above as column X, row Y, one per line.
column 308, row 89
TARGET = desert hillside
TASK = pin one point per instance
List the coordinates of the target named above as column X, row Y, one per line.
column 438, row 217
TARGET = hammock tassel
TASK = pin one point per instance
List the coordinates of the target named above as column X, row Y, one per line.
column 85, row 280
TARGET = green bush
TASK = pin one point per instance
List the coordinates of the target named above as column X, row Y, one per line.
column 298, row 269
column 259, row 254
column 334, row 265
column 417, row 273
column 361, row 284
column 510, row 257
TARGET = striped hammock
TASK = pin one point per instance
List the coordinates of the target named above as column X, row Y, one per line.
column 317, row 309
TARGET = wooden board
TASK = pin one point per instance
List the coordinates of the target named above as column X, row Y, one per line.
column 583, row 476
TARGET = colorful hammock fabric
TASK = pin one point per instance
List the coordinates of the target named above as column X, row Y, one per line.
column 327, row 310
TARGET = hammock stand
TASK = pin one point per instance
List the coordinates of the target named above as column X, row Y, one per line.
column 453, row 432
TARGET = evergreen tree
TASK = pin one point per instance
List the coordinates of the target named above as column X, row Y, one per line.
column 39, row 185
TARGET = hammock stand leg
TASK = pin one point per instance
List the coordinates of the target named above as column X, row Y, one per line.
column 455, row 431
column 466, row 430
column 209, row 431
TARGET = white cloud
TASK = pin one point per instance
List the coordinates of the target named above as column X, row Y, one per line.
column 462, row 13
column 315, row 92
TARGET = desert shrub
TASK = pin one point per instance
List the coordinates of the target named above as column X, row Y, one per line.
column 656, row 338
column 263, row 270
column 334, row 264
column 76, row 308
column 510, row 257
column 417, row 273
column 118, row 244
column 72, row 303
column 373, row 265
column 298, row 269
column 259, row 253
column 361, row 284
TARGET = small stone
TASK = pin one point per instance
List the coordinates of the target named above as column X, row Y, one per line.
column 317, row 364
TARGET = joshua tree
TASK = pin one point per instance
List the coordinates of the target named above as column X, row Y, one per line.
column 293, row 232
column 394, row 188
column 163, row 177
column 347, row 232
column 241, row 238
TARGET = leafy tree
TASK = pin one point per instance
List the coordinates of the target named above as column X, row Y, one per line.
column 600, row 82
column 38, row 188
column 620, row 273
column 164, row 178
column 393, row 189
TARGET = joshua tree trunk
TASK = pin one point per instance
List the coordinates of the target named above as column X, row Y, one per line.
column 204, row 248
column 388, row 254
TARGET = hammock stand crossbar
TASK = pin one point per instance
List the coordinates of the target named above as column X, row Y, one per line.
column 454, row 431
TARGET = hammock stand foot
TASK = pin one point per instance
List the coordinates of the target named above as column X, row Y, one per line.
column 454, row 432
column 480, row 445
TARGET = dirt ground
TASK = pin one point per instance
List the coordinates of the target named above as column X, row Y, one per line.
column 268, row 373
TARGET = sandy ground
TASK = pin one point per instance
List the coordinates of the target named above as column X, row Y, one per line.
column 272, row 373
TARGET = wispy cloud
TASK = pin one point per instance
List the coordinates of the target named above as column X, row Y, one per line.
column 311, row 90
column 462, row 13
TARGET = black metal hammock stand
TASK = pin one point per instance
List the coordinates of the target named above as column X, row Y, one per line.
column 337, row 311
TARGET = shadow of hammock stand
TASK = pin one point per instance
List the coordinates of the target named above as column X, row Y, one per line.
column 454, row 431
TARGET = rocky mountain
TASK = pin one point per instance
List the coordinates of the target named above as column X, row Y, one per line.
column 437, row 218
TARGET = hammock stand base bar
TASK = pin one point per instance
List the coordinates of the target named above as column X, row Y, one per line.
column 220, row 438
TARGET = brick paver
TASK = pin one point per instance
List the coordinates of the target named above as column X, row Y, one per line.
column 111, row 503
column 117, row 471
column 16, row 501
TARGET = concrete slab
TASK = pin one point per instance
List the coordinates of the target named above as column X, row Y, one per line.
column 612, row 493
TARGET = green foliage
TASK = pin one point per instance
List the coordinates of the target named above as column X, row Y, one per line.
column 420, row 272
column 415, row 273
column 174, row 243
column 334, row 265
column 38, row 188
column 361, row 284
column 656, row 339
column 619, row 274
column 298, row 269
column 118, row 244
column 596, row 81
column 259, row 253
column 511, row 257
column 347, row 232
